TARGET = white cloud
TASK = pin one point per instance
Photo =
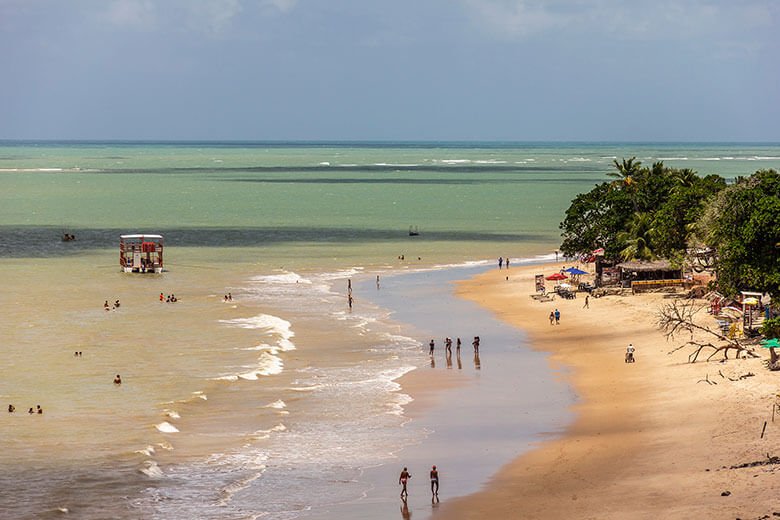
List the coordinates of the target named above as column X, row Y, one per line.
column 205, row 16
column 284, row 6
column 211, row 16
column 657, row 20
column 516, row 18
column 138, row 14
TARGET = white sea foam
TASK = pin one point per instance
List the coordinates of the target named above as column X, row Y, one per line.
column 278, row 404
column 392, row 165
column 166, row 427
column 173, row 414
column 271, row 324
column 579, row 159
column 324, row 163
column 308, row 388
column 165, row 445
column 228, row 491
column 260, row 435
column 268, row 364
column 284, row 277
column 148, row 451
column 151, row 469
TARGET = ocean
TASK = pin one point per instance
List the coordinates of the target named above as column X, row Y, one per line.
column 274, row 404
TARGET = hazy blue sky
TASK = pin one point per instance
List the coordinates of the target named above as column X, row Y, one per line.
column 397, row 69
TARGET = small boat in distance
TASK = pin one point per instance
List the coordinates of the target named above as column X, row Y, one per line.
column 413, row 232
column 141, row 253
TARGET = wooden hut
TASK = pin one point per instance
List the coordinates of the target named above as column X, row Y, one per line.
column 640, row 275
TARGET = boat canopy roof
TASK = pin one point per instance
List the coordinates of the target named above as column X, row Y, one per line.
column 141, row 237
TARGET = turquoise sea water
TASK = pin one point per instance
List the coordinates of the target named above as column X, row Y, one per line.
column 232, row 410
column 466, row 199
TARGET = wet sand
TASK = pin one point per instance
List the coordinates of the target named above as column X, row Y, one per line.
column 650, row 439
column 479, row 414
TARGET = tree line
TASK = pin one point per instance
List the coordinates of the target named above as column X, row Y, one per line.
column 647, row 213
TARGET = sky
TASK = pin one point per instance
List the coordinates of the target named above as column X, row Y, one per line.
column 431, row 70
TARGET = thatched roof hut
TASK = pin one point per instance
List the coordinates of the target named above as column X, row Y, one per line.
column 649, row 270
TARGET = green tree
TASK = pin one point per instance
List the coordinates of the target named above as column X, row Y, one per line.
column 638, row 238
column 742, row 223
column 594, row 219
column 683, row 207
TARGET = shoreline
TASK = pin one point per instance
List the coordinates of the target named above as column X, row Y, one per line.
column 649, row 439
column 449, row 398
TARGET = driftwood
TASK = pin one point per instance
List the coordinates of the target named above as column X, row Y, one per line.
column 678, row 317
column 707, row 380
column 738, row 378
column 770, row 460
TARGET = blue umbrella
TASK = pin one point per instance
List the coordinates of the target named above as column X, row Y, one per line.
column 574, row 270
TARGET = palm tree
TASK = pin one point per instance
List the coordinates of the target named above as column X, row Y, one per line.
column 638, row 238
column 684, row 178
column 627, row 172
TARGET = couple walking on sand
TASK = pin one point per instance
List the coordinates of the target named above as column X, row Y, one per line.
column 405, row 476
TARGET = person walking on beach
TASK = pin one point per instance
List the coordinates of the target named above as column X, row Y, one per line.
column 402, row 480
column 448, row 346
column 507, row 262
column 432, row 344
column 500, row 262
column 118, row 380
column 586, row 306
column 434, row 481
column 630, row 353
column 457, row 345
column 552, row 317
column 475, row 344
column 557, row 317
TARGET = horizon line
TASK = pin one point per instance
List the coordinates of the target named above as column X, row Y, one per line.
column 377, row 141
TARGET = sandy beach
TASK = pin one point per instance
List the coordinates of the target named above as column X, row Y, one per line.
column 650, row 439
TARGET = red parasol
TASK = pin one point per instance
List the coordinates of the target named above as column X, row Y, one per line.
column 556, row 276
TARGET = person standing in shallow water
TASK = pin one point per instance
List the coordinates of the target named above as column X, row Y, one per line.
column 434, row 481
column 402, row 480
column 432, row 344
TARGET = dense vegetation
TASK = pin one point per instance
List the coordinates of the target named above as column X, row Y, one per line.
column 659, row 212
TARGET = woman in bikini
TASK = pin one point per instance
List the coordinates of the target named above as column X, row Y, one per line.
column 403, row 479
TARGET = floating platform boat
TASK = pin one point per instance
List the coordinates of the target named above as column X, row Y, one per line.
column 141, row 253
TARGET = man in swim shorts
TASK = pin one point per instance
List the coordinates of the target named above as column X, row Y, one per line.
column 434, row 481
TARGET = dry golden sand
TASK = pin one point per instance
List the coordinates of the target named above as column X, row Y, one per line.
column 649, row 440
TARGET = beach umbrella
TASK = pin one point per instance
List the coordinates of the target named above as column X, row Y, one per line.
column 556, row 276
column 770, row 343
column 574, row 270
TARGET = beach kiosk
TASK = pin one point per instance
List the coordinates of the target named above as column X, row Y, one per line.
column 141, row 253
